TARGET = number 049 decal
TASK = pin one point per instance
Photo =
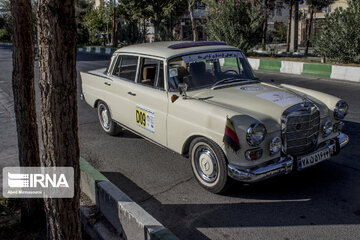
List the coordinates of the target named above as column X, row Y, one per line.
column 145, row 118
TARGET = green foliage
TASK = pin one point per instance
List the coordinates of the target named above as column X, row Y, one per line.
column 5, row 21
column 161, row 14
column 131, row 11
column 317, row 5
column 81, row 8
column 239, row 23
column 4, row 35
column 278, row 34
column 130, row 33
column 97, row 22
column 340, row 35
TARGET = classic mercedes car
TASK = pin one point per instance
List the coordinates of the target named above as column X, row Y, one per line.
column 202, row 100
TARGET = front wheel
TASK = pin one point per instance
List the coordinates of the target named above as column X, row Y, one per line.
column 106, row 122
column 208, row 163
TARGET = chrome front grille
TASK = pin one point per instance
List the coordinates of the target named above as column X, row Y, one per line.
column 300, row 128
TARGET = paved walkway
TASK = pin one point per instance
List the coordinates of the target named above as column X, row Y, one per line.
column 8, row 137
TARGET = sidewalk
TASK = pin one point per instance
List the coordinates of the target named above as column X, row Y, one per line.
column 8, row 137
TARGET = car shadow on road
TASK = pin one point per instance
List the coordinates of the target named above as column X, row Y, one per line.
column 325, row 194
column 296, row 200
column 128, row 134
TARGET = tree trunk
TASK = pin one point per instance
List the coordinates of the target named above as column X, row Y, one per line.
column 114, row 38
column 193, row 25
column 308, row 34
column 144, row 30
column 263, row 41
column 58, row 87
column 289, row 28
column 295, row 32
column 32, row 210
column 156, row 23
column 323, row 59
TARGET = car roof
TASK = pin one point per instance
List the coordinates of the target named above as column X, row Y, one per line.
column 170, row 49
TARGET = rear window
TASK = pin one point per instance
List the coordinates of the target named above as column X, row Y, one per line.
column 126, row 67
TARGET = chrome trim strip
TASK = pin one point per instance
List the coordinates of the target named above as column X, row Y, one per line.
column 283, row 166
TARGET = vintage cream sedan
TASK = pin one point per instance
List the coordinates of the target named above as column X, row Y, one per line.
column 202, row 100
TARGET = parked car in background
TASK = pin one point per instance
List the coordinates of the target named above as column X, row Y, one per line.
column 202, row 100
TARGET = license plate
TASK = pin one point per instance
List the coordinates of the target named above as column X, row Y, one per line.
column 314, row 158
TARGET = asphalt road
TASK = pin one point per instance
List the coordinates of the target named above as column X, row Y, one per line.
column 319, row 203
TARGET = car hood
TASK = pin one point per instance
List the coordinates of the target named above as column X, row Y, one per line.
column 262, row 101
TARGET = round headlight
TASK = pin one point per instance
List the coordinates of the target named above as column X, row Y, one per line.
column 255, row 134
column 340, row 109
column 275, row 145
column 327, row 128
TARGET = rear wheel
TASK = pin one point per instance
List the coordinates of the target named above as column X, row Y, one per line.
column 208, row 163
column 106, row 122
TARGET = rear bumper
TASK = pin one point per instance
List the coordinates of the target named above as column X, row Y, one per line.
column 283, row 165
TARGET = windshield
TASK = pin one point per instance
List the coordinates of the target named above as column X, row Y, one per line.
column 208, row 69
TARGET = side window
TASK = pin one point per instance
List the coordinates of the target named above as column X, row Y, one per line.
column 126, row 67
column 117, row 66
column 152, row 73
column 178, row 72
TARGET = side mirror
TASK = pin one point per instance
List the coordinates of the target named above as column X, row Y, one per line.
column 182, row 89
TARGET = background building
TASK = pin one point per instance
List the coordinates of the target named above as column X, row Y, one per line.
column 318, row 16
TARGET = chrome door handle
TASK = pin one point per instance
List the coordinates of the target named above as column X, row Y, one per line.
column 132, row 94
column 106, row 83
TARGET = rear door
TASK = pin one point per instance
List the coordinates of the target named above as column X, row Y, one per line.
column 123, row 75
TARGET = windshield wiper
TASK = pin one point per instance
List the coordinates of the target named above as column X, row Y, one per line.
column 228, row 80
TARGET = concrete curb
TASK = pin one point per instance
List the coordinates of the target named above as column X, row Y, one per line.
column 317, row 70
column 270, row 65
column 255, row 63
column 301, row 68
column 96, row 226
column 308, row 69
column 125, row 215
column 291, row 67
column 349, row 73
column 97, row 50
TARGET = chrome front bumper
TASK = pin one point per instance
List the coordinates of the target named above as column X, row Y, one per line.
column 343, row 139
column 284, row 165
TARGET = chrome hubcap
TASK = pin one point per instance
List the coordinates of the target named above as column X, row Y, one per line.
column 206, row 164
column 104, row 115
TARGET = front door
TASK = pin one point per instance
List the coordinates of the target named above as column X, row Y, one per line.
column 150, row 101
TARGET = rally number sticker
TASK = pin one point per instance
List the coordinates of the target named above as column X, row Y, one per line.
column 145, row 118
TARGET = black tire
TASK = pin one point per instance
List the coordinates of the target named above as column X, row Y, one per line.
column 106, row 122
column 208, row 163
